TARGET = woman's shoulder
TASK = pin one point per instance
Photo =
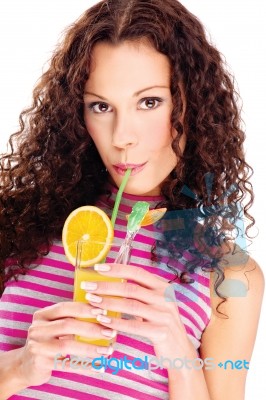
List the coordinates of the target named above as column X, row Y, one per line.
column 232, row 330
column 243, row 283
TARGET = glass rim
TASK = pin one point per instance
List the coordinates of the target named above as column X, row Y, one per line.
column 122, row 248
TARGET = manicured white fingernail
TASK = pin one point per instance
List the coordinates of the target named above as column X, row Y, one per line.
column 102, row 318
column 93, row 298
column 102, row 267
column 88, row 285
column 111, row 333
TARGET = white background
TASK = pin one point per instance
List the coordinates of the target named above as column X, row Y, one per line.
column 29, row 30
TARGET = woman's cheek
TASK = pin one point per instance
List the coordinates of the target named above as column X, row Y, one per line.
column 159, row 135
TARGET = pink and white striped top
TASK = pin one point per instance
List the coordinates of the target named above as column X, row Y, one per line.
column 51, row 281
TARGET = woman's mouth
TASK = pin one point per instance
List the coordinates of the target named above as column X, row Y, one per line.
column 121, row 168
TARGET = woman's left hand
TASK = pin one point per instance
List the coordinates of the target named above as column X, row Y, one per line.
column 149, row 298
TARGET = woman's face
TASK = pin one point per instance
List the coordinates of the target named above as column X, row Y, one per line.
column 127, row 110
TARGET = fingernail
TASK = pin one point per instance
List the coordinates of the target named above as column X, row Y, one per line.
column 102, row 318
column 102, row 267
column 105, row 350
column 109, row 332
column 93, row 298
column 97, row 311
column 88, row 285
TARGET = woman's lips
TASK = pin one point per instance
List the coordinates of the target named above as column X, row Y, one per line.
column 121, row 168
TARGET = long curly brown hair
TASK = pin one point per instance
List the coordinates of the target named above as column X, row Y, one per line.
column 53, row 166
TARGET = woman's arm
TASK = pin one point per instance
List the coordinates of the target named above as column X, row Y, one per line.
column 11, row 381
column 233, row 339
column 188, row 384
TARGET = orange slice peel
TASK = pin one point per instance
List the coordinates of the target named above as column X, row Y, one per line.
column 91, row 227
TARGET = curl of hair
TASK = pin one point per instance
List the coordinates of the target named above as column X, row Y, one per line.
column 54, row 167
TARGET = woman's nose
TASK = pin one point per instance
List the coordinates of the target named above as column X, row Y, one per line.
column 124, row 134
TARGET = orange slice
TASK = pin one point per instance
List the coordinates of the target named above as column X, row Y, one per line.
column 91, row 227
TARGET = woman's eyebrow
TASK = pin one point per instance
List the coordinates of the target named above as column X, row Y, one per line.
column 134, row 95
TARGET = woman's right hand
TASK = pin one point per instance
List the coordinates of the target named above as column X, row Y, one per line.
column 51, row 335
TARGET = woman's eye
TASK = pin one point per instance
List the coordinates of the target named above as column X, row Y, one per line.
column 99, row 108
column 150, row 103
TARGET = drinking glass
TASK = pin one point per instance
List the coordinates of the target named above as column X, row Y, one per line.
column 118, row 254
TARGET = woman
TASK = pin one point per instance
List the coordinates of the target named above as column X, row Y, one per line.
column 133, row 84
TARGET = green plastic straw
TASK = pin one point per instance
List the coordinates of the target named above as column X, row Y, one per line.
column 119, row 195
column 118, row 199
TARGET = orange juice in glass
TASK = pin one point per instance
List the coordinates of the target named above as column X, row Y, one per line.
column 89, row 274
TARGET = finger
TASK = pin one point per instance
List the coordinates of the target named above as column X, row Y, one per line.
column 60, row 349
column 137, row 274
column 66, row 337
column 152, row 331
column 163, row 314
column 126, row 289
column 64, row 309
column 57, row 351
column 83, row 368
column 66, row 326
